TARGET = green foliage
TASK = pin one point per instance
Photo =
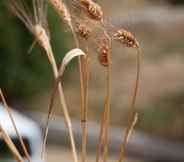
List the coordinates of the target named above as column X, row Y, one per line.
column 164, row 116
column 24, row 74
column 177, row 2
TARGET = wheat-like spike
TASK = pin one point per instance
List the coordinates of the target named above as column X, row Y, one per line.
column 83, row 30
column 103, row 52
column 125, row 37
column 93, row 9
column 62, row 10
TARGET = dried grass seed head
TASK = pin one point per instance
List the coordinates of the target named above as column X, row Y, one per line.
column 125, row 37
column 62, row 10
column 83, row 30
column 103, row 52
column 42, row 37
column 93, row 9
column 35, row 21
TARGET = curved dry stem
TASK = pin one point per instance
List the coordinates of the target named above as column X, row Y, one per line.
column 80, row 63
column 64, row 106
column 133, row 116
column 66, row 60
column 14, row 126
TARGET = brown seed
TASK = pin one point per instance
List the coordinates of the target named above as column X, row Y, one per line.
column 103, row 53
column 61, row 9
column 94, row 10
column 126, row 38
column 83, row 30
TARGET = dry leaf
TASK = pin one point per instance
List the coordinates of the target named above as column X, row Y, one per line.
column 66, row 60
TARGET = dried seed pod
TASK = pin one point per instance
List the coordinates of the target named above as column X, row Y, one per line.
column 126, row 38
column 94, row 10
column 43, row 39
column 83, row 30
column 36, row 22
column 62, row 10
column 103, row 52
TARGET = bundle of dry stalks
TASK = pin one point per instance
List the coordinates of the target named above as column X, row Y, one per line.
column 8, row 110
column 90, row 12
column 64, row 13
column 37, row 25
column 4, row 136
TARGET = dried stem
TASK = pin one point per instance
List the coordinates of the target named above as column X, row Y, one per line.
column 84, row 74
column 64, row 13
column 64, row 106
column 103, row 138
column 14, row 125
column 108, row 87
column 81, row 63
column 66, row 60
column 132, row 117
column 10, row 144
column 84, row 111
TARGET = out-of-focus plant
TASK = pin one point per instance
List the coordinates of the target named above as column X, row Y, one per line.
column 23, row 74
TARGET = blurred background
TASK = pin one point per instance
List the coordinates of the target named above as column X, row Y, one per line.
column 158, row 25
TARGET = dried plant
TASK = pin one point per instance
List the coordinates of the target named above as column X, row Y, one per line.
column 62, row 10
column 93, row 9
column 103, row 52
column 14, row 125
column 126, row 38
column 83, row 30
column 132, row 120
column 66, row 60
column 64, row 13
column 104, row 57
column 95, row 17
column 37, row 25
column 90, row 13
column 10, row 144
